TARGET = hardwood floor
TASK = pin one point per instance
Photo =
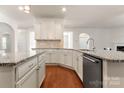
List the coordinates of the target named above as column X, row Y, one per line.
column 60, row 77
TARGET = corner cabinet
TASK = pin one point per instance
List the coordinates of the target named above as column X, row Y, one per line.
column 66, row 57
column 63, row 57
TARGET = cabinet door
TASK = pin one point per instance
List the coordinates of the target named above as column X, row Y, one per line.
column 60, row 56
column 48, row 56
column 41, row 73
column 37, row 31
column 54, row 56
column 75, row 60
column 68, row 58
column 43, row 31
column 80, row 66
column 29, row 80
column 58, row 31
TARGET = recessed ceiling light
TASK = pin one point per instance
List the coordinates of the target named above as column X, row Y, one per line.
column 64, row 9
column 21, row 8
column 26, row 7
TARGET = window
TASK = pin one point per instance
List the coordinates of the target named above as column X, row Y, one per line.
column 83, row 40
column 4, row 42
column 68, row 39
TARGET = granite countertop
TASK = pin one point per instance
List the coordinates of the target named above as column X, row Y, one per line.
column 107, row 55
column 37, row 49
column 115, row 56
column 10, row 59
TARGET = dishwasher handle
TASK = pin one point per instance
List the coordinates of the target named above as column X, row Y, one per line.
column 94, row 61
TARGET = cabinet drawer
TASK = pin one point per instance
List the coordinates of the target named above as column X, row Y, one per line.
column 24, row 68
column 29, row 80
column 42, row 57
column 42, row 61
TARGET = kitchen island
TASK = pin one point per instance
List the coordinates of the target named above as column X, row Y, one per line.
column 112, row 67
column 112, row 63
column 22, row 69
column 28, row 70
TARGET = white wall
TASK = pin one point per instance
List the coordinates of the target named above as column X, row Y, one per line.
column 102, row 36
column 117, row 36
column 20, row 38
column 12, row 23
column 23, row 40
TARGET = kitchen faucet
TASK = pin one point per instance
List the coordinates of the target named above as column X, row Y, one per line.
column 91, row 39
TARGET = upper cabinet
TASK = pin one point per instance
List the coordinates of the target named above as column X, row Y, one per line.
column 49, row 29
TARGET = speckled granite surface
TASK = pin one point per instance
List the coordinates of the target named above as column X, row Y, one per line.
column 9, row 59
column 115, row 56
column 13, row 59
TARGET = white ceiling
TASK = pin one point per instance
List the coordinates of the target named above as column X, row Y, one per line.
column 75, row 16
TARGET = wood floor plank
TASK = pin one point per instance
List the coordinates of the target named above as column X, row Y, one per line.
column 60, row 77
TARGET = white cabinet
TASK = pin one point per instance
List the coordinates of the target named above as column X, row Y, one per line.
column 80, row 66
column 37, row 31
column 54, row 56
column 28, row 73
column 7, row 77
column 29, row 80
column 41, row 73
column 41, row 68
column 49, row 29
column 75, row 60
column 68, row 58
column 25, row 68
column 78, row 63
column 48, row 54
column 61, row 57
column 31, row 74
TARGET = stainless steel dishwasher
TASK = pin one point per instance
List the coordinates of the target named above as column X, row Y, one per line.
column 92, row 72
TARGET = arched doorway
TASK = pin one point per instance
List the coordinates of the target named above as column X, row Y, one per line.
column 83, row 37
column 6, row 38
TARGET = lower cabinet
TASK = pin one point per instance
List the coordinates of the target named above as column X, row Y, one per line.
column 78, row 63
column 26, row 74
column 29, row 80
column 41, row 73
column 61, row 57
column 34, row 74
column 69, row 58
column 75, row 60
column 80, row 68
